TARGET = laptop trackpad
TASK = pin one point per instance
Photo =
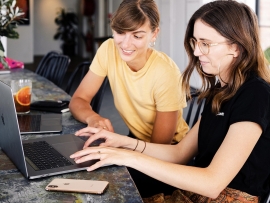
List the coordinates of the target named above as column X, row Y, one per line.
column 68, row 148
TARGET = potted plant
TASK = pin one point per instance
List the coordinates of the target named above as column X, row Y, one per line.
column 67, row 31
column 10, row 15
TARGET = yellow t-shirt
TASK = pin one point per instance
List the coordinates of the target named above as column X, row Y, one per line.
column 138, row 95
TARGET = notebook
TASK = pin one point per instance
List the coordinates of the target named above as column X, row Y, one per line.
column 51, row 106
column 4, row 71
column 61, row 146
column 41, row 123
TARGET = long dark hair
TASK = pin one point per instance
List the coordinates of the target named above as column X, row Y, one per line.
column 132, row 14
column 238, row 24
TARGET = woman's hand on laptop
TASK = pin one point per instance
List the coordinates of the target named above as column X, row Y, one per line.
column 106, row 155
column 111, row 139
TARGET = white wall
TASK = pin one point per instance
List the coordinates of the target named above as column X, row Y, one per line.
column 250, row 3
column 175, row 15
column 45, row 27
column 37, row 38
column 192, row 6
column 22, row 49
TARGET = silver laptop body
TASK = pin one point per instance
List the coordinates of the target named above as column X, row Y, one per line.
column 12, row 144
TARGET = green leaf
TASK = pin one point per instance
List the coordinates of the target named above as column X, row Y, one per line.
column 2, row 53
column 267, row 54
column 3, row 61
column 1, row 47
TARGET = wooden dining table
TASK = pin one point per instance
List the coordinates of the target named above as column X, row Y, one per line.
column 14, row 187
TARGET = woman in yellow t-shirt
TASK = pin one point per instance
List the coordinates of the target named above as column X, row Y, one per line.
column 145, row 83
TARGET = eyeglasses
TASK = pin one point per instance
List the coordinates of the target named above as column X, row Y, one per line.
column 203, row 46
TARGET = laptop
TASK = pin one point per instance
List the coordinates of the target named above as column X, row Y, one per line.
column 21, row 152
column 40, row 123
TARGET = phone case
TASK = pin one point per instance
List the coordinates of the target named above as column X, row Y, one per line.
column 76, row 185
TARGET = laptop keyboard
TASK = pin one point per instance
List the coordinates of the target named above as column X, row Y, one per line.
column 41, row 156
column 29, row 123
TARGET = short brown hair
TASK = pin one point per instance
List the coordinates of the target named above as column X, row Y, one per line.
column 132, row 14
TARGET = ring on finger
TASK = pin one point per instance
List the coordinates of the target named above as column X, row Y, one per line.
column 104, row 127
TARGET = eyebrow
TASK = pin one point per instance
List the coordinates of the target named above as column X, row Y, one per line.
column 140, row 31
column 202, row 39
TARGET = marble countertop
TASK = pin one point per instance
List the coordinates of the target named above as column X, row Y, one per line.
column 14, row 187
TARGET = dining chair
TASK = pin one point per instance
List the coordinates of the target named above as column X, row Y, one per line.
column 193, row 110
column 40, row 66
column 77, row 76
column 98, row 98
column 53, row 66
column 75, row 79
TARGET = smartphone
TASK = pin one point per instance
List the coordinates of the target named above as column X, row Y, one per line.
column 76, row 185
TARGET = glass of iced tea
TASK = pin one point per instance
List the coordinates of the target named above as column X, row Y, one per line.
column 22, row 90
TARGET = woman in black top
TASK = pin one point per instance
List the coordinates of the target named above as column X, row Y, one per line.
column 231, row 140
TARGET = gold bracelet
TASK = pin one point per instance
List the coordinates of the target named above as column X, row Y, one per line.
column 136, row 145
column 144, row 147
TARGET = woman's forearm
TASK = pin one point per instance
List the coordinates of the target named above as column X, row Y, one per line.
column 181, row 153
column 165, row 152
column 81, row 110
column 198, row 180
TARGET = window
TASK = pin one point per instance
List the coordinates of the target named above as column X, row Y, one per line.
column 264, row 21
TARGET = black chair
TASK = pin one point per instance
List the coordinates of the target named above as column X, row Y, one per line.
column 97, row 100
column 40, row 66
column 193, row 110
column 75, row 79
column 53, row 66
column 192, row 113
column 77, row 76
